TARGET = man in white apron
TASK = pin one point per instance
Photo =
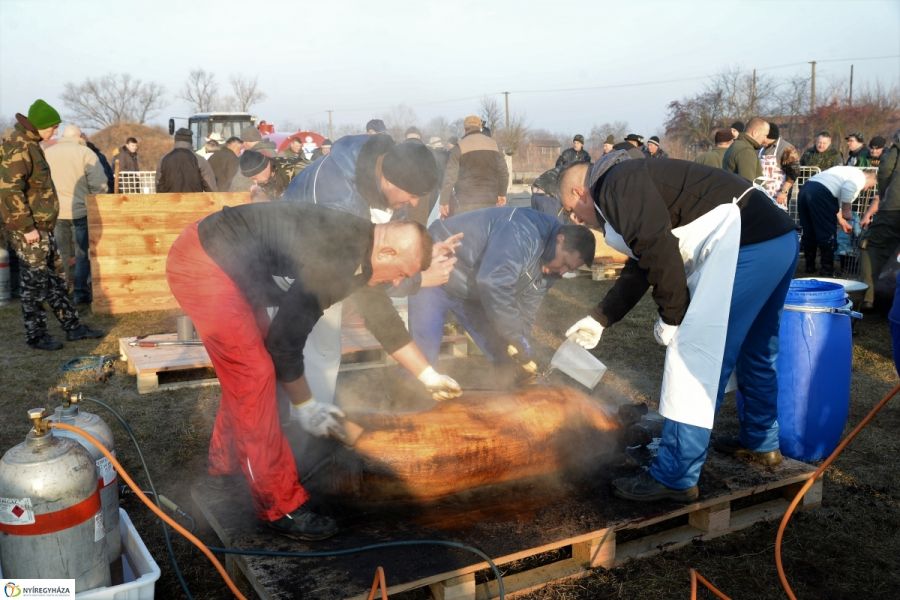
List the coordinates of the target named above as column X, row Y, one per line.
column 779, row 161
column 719, row 256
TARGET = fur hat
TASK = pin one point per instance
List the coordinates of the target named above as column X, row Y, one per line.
column 72, row 132
column 578, row 138
column 253, row 162
column 184, row 135
column 633, row 137
column 411, row 167
column 723, row 135
column 250, row 134
column 877, row 142
column 472, row 122
column 738, row 126
column 610, row 139
column 42, row 115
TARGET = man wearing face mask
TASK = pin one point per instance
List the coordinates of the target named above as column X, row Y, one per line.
column 221, row 270
column 510, row 259
column 719, row 256
column 371, row 177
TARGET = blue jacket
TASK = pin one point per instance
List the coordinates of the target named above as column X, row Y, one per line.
column 340, row 180
column 499, row 263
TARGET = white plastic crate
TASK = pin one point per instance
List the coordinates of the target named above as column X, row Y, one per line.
column 140, row 570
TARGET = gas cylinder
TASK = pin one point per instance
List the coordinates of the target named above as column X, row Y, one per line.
column 51, row 522
column 70, row 412
column 5, row 282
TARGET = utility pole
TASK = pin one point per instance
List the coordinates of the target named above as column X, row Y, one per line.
column 850, row 101
column 753, row 93
column 812, row 88
column 506, row 102
column 330, row 128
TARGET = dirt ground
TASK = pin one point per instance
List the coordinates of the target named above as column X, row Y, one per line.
column 846, row 549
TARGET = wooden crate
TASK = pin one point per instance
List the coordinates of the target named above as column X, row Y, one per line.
column 130, row 236
column 557, row 537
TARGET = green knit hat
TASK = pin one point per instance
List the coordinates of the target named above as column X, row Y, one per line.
column 42, row 115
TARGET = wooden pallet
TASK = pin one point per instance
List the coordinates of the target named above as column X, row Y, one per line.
column 360, row 350
column 566, row 537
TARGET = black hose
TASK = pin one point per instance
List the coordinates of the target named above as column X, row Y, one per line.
column 501, row 591
column 165, row 528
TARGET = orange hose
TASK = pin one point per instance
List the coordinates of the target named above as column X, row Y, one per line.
column 695, row 577
column 809, row 483
column 159, row 513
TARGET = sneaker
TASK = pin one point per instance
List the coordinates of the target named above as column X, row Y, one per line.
column 643, row 488
column 732, row 447
column 304, row 524
column 45, row 342
column 83, row 332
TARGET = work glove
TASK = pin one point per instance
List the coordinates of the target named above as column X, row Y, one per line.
column 520, row 352
column 442, row 387
column 663, row 332
column 586, row 332
column 318, row 418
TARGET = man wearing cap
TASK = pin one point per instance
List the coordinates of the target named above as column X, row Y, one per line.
column 323, row 150
column 737, row 128
column 224, row 163
column 742, row 157
column 212, row 145
column 181, row 170
column 375, row 127
column 510, row 259
column 29, row 207
column 270, row 176
column 608, row 143
column 76, row 172
column 371, row 177
column 876, row 149
column 476, row 175
column 632, row 144
column 714, row 156
column 251, row 139
column 882, row 220
column 575, row 154
column 652, row 149
column 857, row 153
column 780, row 163
column 821, row 154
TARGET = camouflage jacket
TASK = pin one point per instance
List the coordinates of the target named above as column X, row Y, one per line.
column 28, row 198
column 823, row 160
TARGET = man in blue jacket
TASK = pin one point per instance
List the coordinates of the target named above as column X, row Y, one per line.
column 510, row 258
column 376, row 179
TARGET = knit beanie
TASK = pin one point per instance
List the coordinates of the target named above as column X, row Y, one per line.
column 184, row 135
column 774, row 134
column 411, row 167
column 253, row 163
column 42, row 115
column 723, row 135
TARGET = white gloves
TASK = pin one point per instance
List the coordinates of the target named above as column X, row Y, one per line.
column 586, row 333
column 663, row 332
column 318, row 418
column 442, row 387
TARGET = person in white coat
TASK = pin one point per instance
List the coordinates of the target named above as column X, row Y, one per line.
column 719, row 256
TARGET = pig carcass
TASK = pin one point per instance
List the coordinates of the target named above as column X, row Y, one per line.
column 477, row 440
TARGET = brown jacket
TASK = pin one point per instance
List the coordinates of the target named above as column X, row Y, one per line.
column 476, row 172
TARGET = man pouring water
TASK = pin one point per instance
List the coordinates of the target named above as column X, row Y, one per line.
column 719, row 256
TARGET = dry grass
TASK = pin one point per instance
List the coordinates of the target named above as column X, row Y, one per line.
column 846, row 549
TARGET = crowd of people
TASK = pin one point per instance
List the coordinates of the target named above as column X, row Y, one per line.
column 369, row 218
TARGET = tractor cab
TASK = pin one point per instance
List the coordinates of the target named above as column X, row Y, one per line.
column 226, row 124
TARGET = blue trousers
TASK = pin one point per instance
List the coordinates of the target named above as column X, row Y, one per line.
column 72, row 239
column 761, row 283
column 427, row 311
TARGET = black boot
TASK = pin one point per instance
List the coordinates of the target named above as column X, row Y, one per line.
column 45, row 342
column 83, row 332
column 304, row 524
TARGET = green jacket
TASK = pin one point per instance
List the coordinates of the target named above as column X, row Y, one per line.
column 28, row 198
column 823, row 160
column 712, row 158
column 889, row 178
column 742, row 158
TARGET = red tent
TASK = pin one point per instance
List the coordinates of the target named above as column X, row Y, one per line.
column 283, row 140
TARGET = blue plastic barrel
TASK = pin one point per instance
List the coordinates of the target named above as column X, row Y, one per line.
column 814, row 361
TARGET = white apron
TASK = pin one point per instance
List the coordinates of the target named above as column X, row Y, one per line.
column 773, row 176
column 709, row 248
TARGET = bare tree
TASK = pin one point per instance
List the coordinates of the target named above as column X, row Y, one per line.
column 246, row 92
column 512, row 138
column 201, row 90
column 599, row 133
column 490, row 112
column 111, row 99
column 398, row 119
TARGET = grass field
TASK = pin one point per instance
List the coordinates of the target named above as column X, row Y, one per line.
column 846, row 549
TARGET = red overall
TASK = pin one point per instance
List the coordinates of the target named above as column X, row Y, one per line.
column 247, row 434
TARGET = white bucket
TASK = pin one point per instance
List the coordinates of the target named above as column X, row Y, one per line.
column 578, row 363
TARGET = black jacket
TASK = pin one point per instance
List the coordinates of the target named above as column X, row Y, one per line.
column 179, row 171
column 570, row 156
column 644, row 200
column 327, row 253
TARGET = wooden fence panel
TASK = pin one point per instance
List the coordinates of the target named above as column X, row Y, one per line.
column 130, row 236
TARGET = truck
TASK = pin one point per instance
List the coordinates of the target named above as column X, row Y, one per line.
column 226, row 124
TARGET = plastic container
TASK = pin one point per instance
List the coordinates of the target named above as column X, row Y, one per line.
column 814, row 362
column 855, row 289
column 578, row 363
column 139, row 568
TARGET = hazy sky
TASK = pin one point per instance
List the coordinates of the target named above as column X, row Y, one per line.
column 360, row 58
